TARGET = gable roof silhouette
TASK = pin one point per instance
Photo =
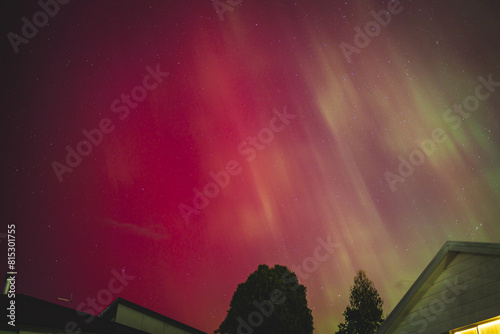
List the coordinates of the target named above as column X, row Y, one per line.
column 437, row 265
column 34, row 313
column 112, row 308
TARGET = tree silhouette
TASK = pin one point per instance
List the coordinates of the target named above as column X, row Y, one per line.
column 364, row 314
column 271, row 300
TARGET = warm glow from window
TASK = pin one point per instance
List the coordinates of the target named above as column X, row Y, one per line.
column 490, row 328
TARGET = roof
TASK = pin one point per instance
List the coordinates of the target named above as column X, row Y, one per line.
column 33, row 313
column 438, row 264
column 112, row 308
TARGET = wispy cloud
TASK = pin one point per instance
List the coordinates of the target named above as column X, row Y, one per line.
column 155, row 232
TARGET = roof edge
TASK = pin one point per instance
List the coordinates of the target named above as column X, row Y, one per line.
column 482, row 248
column 149, row 312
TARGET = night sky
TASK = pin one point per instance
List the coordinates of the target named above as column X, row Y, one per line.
column 303, row 130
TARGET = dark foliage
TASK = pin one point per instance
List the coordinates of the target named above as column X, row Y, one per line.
column 364, row 314
column 270, row 301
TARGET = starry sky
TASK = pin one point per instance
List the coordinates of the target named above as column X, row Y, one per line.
column 181, row 95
